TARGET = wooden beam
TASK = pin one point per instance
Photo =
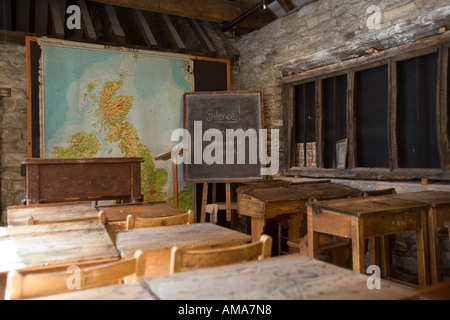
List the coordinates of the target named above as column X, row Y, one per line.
column 116, row 29
column 41, row 17
column 173, row 33
column 23, row 15
column 88, row 27
column 147, row 34
column 443, row 107
column 392, row 115
column 351, row 121
column 201, row 35
column 208, row 10
column 231, row 51
column 5, row 13
column 58, row 23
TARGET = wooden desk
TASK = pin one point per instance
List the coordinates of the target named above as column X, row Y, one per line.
column 438, row 214
column 263, row 203
column 34, row 248
column 362, row 218
column 157, row 242
column 17, row 215
column 134, row 291
column 440, row 291
column 90, row 179
column 291, row 277
column 116, row 215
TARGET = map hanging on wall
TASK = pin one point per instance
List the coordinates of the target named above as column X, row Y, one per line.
column 103, row 103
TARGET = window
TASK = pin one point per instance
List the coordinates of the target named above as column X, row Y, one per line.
column 416, row 112
column 391, row 110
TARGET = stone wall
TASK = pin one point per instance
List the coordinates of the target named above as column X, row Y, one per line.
column 13, row 123
column 326, row 32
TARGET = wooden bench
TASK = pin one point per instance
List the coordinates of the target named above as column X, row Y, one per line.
column 191, row 259
column 117, row 214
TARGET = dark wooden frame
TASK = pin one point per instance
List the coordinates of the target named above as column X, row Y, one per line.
column 390, row 57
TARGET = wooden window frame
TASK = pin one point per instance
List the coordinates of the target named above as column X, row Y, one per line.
column 436, row 44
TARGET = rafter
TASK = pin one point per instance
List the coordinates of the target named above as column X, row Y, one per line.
column 209, row 10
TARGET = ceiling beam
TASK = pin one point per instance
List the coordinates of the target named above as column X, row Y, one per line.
column 87, row 21
column 58, row 24
column 209, row 10
column 173, row 33
column 146, row 32
column 287, row 5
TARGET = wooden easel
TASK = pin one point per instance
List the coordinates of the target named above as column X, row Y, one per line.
column 228, row 206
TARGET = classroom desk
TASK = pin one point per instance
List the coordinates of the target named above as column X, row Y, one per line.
column 438, row 214
column 440, row 291
column 291, row 277
column 133, row 291
column 288, row 201
column 53, row 246
column 116, row 214
column 17, row 215
column 157, row 242
column 363, row 218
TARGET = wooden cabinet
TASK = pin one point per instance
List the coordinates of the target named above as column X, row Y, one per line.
column 79, row 179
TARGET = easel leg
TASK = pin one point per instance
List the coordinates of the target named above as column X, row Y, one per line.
column 228, row 204
column 175, row 184
column 204, row 202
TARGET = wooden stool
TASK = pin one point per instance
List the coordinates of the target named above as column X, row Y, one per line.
column 364, row 218
column 339, row 248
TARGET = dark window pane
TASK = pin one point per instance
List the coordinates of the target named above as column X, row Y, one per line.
column 417, row 135
column 371, row 111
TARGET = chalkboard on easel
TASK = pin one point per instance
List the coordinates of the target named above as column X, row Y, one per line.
column 221, row 111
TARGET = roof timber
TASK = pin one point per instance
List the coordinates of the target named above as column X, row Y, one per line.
column 208, row 10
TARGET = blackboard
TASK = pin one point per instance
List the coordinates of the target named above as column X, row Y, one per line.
column 220, row 111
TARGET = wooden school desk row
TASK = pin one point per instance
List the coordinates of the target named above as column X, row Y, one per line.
column 347, row 212
column 124, row 241
column 291, row 277
column 378, row 217
column 56, row 246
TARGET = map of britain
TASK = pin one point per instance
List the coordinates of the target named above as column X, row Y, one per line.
column 115, row 104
